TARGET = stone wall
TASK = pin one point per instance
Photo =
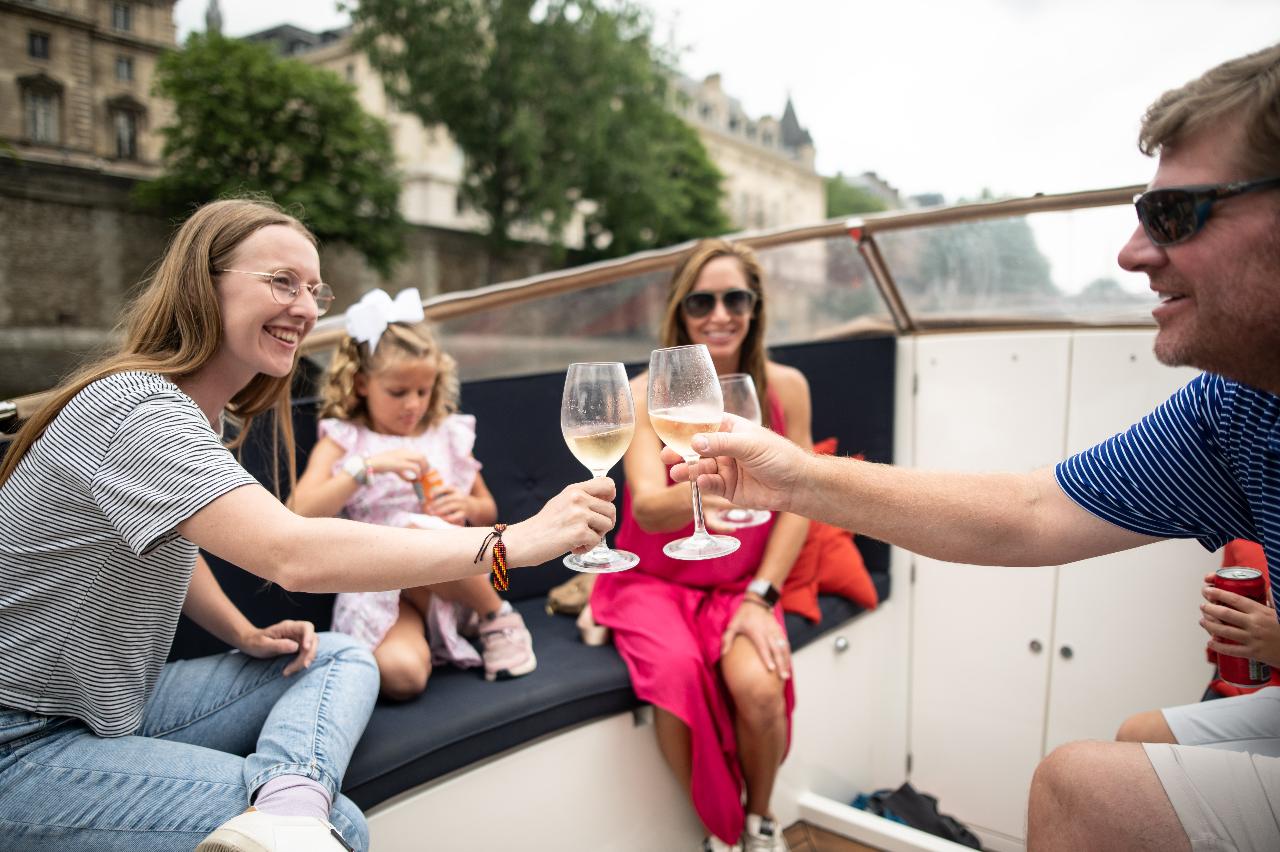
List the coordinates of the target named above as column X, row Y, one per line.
column 73, row 249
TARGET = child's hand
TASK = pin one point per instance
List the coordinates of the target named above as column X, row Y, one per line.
column 449, row 504
column 409, row 464
column 574, row 519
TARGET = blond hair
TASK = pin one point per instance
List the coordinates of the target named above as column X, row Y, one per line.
column 1247, row 88
column 174, row 327
column 752, row 356
column 399, row 342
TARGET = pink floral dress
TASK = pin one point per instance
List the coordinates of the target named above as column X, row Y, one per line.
column 390, row 500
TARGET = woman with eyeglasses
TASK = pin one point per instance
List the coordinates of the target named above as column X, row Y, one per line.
column 705, row 640
column 104, row 497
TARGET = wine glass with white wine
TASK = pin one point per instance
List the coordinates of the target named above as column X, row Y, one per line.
column 598, row 419
column 740, row 398
column 685, row 399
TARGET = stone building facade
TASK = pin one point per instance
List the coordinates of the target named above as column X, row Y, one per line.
column 75, row 82
column 768, row 163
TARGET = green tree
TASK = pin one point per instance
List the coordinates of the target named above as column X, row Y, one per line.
column 551, row 102
column 846, row 199
column 246, row 121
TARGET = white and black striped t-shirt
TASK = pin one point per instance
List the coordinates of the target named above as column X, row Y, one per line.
column 1204, row 465
column 92, row 572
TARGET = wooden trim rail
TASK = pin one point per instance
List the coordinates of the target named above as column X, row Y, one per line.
column 452, row 305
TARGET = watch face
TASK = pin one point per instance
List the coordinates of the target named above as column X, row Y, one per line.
column 764, row 589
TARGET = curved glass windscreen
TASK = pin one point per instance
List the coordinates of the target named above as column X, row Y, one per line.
column 815, row 289
column 1058, row 266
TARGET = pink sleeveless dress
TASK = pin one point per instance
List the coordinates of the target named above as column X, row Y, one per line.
column 390, row 501
column 668, row 618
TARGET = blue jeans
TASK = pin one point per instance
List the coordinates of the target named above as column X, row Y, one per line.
column 215, row 730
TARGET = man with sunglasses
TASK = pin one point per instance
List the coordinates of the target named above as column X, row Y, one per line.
column 1204, row 465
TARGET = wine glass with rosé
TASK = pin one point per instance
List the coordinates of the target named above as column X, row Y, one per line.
column 685, row 399
column 598, row 419
column 740, row 398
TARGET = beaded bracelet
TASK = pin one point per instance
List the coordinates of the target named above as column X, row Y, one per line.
column 500, row 579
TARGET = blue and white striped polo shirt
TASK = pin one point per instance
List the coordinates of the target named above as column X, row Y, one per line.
column 1204, row 465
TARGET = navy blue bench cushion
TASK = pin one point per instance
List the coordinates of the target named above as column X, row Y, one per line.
column 461, row 718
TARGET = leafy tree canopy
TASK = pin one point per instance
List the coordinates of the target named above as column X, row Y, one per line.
column 246, row 121
column 552, row 102
column 847, row 199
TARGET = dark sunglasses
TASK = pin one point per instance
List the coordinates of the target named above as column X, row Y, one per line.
column 737, row 302
column 1175, row 214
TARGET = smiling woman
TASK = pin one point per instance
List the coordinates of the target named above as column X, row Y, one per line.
column 105, row 496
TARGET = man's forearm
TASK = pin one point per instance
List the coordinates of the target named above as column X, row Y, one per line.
column 973, row 518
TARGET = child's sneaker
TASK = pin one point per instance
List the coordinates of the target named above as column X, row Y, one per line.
column 255, row 831
column 763, row 835
column 508, row 647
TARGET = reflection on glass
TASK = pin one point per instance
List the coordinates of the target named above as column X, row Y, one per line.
column 598, row 419
column 740, row 398
column 684, row 400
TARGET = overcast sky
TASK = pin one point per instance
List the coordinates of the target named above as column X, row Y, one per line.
column 953, row 96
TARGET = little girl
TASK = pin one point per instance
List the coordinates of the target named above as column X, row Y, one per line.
column 393, row 451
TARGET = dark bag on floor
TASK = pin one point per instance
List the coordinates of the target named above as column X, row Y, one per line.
column 918, row 810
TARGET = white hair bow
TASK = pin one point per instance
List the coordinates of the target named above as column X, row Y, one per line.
column 369, row 317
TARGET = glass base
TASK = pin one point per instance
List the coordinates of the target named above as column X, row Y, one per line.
column 614, row 561
column 740, row 519
column 701, row 547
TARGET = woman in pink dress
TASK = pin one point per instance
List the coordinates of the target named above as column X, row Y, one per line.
column 708, row 652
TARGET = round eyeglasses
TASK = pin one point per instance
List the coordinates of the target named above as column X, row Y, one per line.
column 286, row 286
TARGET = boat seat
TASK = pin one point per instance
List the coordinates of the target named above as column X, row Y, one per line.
column 462, row 719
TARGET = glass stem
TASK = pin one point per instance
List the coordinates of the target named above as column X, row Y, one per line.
column 599, row 553
column 699, row 525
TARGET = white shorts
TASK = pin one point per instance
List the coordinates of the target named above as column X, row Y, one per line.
column 1223, row 777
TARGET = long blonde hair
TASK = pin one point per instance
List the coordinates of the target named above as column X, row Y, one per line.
column 1247, row 87
column 174, row 327
column 399, row 342
column 752, row 357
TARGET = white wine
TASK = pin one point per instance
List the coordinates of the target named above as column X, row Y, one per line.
column 599, row 449
column 677, row 426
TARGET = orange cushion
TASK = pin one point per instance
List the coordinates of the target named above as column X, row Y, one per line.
column 829, row 563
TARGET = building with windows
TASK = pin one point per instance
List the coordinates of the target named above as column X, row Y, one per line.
column 75, row 82
column 768, row 163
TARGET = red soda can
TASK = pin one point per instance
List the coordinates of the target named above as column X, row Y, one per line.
column 1241, row 671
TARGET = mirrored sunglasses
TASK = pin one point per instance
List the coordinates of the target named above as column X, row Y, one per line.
column 1175, row 214
column 737, row 302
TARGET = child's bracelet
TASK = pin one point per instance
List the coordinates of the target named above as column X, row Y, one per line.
column 501, row 581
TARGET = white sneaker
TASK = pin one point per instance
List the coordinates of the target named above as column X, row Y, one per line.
column 715, row 844
column 763, row 835
column 254, row 831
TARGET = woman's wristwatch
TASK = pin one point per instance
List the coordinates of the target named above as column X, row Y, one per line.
column 765, row 590
column 357, row 467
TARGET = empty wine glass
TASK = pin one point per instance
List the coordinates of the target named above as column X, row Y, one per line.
column 740, row 398
column 598, row 419
column 685, row 399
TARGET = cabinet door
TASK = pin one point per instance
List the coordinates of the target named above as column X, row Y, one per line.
column 1129, row 620
column 983, row 402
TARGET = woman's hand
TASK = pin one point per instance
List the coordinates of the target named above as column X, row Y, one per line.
column 284, row 637
column 758, row 625
column 573, row 520
column 749, row 465
column 409, row 464
column 449, row 504
column 1233, row 617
